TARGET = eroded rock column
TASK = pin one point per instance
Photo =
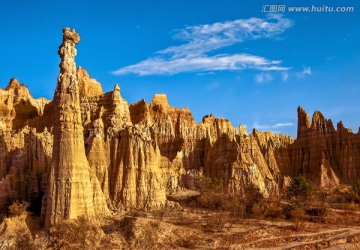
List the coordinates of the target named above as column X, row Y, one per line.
column 73, row 189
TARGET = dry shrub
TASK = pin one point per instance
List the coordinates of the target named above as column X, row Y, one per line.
column 206, row 184
column 17, row 208
column 210, row 200
column 217, row 222
column 350, row 206
column 75, row 234
column 317, row 210
column 240, row 206
column 356, row 187
column 351, row 196
column 142, row 234
column 235, row 205
column 298, row 214
column 268, row 209
column 26, row 241
column 292, row 212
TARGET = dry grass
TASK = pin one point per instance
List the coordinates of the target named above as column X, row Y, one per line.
column 216, row 221
column 17, row 208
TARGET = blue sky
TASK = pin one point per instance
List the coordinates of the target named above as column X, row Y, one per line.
column 216, row 56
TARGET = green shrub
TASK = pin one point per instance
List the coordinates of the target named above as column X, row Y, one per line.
column 207, row 184
column 299, row 189
column 252, row 197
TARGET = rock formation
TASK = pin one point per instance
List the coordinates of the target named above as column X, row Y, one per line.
column 87, row 86
column 90, row 151
column 330, row 156
column 17, row 106
column 72, row 188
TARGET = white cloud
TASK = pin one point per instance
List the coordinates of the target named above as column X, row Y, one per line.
column 306, row 71
column 199, row 40
column 284, row 76
column 161, row 66
column 272, row 126
column 263, row 78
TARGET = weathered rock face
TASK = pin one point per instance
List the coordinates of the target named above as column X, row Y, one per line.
column 73, row 189
column 17, row 106
column 25, row 158
column 330, row 156
column 87, row 86
column 213, row 148
column 90, row 150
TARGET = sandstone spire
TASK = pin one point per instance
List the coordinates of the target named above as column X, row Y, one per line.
column 303, row 121
column 73, row 189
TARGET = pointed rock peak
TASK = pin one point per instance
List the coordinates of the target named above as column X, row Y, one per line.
column 88, row 86
column 318, row 117
column 116, row 92
column 160, row 99
column 340, row 126
column 303, row 118
column 81, row 72
column 242, row 129
column 303, row 121
column 208, row 117
column 321, row 124
column 13, row 84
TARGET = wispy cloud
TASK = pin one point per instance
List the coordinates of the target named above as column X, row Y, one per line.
column 200, row 40
column 263, row 78
column 306, row 71
column 272, row 126
column 284, row 76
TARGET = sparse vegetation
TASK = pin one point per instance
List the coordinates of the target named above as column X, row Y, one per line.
column 17, row 208
column 74, row 234
column 214, row 219
column 356, row 187
column 299, row 189
column 26, row 241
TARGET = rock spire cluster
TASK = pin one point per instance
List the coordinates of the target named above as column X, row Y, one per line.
column 86, row 151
